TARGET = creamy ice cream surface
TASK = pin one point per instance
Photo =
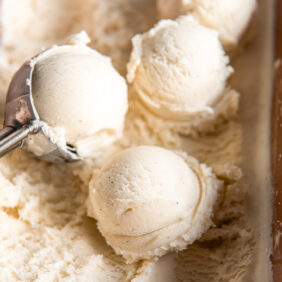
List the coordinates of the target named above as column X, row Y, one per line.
column 77, row 89
column 46, row 234
column 179, row 69
column 149, row 200
column 229, row 17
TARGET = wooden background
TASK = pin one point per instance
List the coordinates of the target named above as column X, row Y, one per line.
column 276, row 148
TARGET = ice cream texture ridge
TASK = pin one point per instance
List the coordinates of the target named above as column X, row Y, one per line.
column 150, row 105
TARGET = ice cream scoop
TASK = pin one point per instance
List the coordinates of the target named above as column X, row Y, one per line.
column 179, row 68
column 229, row 17
column 64, row 103
column 148, row 201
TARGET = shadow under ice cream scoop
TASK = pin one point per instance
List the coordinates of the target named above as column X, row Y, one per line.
column 60, row 105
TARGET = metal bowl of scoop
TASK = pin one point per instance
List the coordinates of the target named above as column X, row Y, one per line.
column 23, row 127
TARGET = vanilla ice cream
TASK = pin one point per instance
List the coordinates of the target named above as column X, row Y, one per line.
column 76, row 89
column 230, row 18
column 45, row 234
column 179, row 68
column 149, row 200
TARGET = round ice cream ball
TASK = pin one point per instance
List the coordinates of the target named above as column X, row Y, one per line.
column 178, row 68
column 148, row 200
column 229, row 17
column 78, row 90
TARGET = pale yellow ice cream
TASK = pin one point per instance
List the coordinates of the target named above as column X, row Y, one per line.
column 46, row 236
column 179, row 68
column 149, row 200
column 78, row 90
column 229, row 17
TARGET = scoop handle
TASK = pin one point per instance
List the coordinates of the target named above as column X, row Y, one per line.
column 11, row 138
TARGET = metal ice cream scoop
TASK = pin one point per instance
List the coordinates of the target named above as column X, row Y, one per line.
column 23, row 127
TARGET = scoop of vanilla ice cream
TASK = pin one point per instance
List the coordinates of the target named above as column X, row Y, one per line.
column 78, row 90
column 149, row 200
column 229, row 17
column 178, row 68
